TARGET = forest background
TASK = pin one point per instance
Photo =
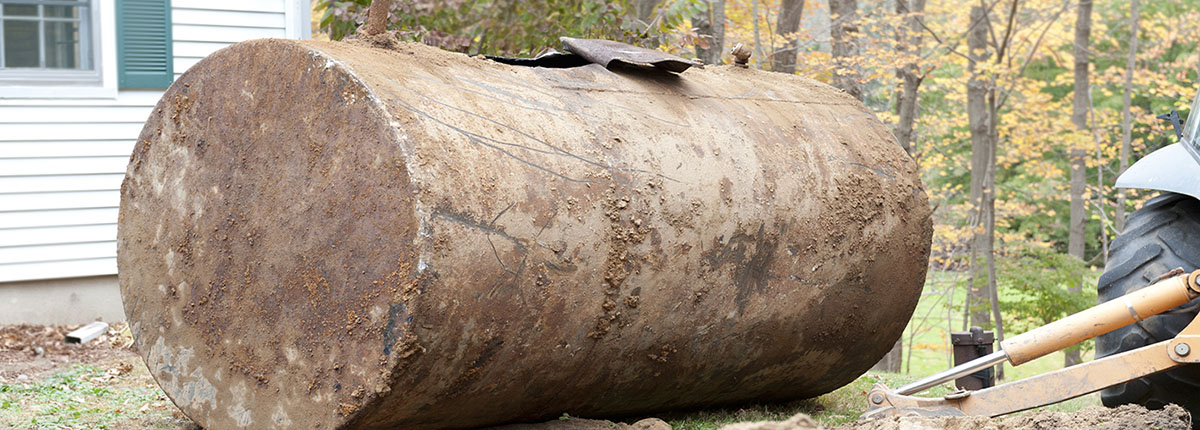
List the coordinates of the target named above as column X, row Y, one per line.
column 1019, row 113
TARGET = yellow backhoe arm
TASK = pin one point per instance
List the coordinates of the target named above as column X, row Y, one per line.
column 1063, row 384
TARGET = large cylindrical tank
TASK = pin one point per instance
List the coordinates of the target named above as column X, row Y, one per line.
column 330, row 235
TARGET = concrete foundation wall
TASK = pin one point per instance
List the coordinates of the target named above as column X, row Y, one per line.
column 61, row 301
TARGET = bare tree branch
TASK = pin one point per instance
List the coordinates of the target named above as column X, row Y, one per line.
column 1029, row 57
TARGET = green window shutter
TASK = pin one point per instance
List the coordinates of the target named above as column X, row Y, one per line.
column 144, row 44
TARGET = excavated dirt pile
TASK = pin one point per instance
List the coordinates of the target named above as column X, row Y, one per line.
column 333, row 235
column 1128, row 417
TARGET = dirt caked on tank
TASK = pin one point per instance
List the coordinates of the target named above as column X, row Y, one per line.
column 332, row 235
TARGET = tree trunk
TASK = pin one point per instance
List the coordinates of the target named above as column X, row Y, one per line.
column 1126, row 117
column 710, row 24
column 979, row 117
column 757, row 48
column 843, row 35
column 790, row 14
column 989, row 201
column 645, row 10
column 1077, row 227
column 989, row 213
column 908, row 42
column 894, row 360
column 377, row 16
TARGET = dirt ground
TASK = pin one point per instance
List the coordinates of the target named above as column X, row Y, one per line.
column 1130, row 417
column 30, row 351
column 47, row 384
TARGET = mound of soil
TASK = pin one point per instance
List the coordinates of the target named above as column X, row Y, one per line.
column 1124, row 417
column 1128, row 417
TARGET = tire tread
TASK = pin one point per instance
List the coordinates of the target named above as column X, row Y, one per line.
column 1162, row 235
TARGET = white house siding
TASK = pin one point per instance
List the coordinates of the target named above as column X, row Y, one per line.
column 61, row 165
column 201, row 27
column 62, row 160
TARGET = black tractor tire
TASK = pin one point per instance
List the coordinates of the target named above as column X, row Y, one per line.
column 1161, row 236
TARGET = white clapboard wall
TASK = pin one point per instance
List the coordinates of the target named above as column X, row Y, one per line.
column 62, row 160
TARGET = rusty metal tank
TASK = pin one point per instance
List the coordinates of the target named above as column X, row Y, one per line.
column 331, row 235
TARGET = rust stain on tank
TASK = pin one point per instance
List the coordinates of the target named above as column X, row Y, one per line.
column 331, row 235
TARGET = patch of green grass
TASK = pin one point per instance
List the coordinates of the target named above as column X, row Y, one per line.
column 84, row 397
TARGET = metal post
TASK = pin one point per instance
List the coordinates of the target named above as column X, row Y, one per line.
column 954, row 373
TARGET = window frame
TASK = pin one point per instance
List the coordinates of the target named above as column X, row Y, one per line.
column 98, row 83
column 45, row 75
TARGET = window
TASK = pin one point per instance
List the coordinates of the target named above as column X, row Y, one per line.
column 48, row 42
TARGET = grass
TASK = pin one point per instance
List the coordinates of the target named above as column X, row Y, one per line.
column 87, row 397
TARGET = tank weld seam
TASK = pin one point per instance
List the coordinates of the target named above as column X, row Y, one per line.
column 375, row 101
column 699, row 96
column 524, row 85
column 467, row 221
column 492, row 93
column 554, row 150
column 400, row 138
column 482, row 141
